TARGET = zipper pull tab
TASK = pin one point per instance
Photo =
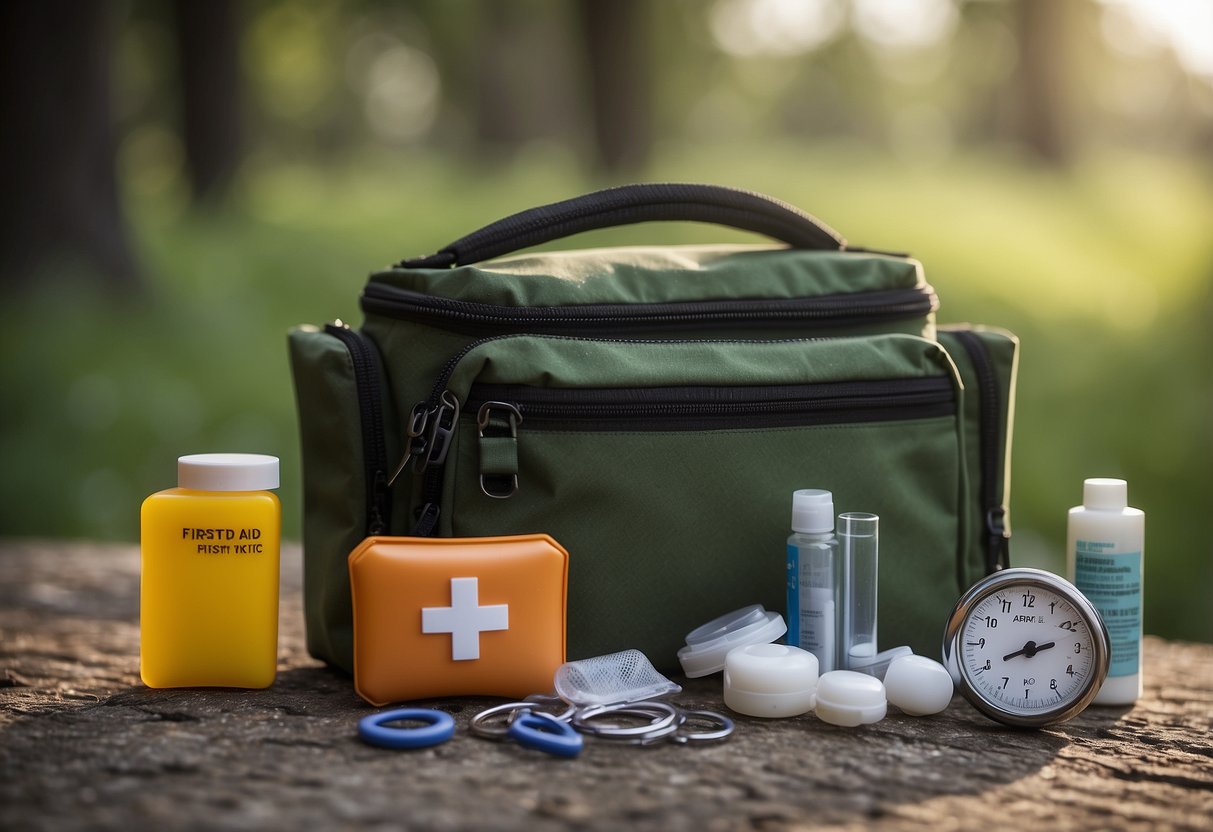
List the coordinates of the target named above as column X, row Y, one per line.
column 498, row 428
column 443, row 420
column 427, row 519
column 414, row 440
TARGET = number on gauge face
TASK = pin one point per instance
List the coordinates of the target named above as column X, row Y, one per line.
column 1027, row 649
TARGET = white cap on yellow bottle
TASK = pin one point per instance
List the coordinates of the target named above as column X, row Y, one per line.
column 227, row 472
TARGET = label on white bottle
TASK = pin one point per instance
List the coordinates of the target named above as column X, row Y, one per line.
column 1112, row 582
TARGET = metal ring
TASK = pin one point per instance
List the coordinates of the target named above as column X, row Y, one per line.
column 482, row 416
column 656, row 736
column 719, row 735
column 437, row 727
column 477, row 726
column 664, row 719
column 652, row 737
column 543, row 700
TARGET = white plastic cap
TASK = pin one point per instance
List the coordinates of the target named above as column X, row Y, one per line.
column 1105, row 494
column 877, row 665
column 770, row 680
column 227, row 472
column 708, row 645
column 918, row 685
column 812, row 511
column 847, row 698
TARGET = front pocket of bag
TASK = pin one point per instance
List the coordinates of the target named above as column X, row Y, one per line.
column 674, row 501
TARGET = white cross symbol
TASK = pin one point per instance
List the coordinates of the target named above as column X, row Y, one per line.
column 465, row 619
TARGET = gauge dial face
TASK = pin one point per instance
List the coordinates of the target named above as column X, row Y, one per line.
column 1029, row 647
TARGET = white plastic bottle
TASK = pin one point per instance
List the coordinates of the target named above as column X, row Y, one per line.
column 1104, row 548
column 813, row 577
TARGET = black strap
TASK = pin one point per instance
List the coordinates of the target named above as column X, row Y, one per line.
column 630, row 204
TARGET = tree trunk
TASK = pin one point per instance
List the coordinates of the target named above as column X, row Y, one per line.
column 208, row 49
column 523, row 89
column 616, row 40
column 59, row 200
column 1041, row 79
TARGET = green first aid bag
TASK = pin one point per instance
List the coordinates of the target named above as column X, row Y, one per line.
column 653, row 409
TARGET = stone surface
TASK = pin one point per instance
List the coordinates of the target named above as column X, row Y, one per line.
column 83, row 745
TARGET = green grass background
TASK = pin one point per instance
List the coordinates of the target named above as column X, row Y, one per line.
column 1105, row 272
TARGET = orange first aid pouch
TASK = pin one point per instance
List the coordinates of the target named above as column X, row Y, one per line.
column 457, row 616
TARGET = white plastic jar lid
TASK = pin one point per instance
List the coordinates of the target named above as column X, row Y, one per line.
column 847, row 698
column 708, row 645
column 770, row 680
column 918, row 685
column 227, row 472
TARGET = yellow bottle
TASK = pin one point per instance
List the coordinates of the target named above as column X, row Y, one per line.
column 209, row 589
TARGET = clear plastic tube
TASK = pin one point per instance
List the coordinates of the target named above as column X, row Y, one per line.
column 858, row 538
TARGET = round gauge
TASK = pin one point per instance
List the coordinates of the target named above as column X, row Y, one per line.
column 1026, row 647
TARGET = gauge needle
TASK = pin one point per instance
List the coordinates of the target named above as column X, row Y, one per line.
column 1029, row 650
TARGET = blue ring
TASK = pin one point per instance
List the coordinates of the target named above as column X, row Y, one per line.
column 543, row 732
column 438, row 728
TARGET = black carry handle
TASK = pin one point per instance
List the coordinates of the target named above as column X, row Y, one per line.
column 630, row 204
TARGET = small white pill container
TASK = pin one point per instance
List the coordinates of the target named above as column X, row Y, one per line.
column 848, row 698
column 770, row 680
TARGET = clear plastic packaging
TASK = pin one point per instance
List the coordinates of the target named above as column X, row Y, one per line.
column 858, row 540
column 616, row 678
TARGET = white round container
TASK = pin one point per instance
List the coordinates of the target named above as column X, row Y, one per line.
column 770, row 680
column 847, row 698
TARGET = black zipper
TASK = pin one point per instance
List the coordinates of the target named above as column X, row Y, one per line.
column 364, row 358
column 851, row 309
column 721, row 408
column 997, row 539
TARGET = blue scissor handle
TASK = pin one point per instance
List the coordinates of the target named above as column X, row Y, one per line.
column 438, row 727
column 544, row 732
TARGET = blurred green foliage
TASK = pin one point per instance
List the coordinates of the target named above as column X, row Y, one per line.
column 1105, row 272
